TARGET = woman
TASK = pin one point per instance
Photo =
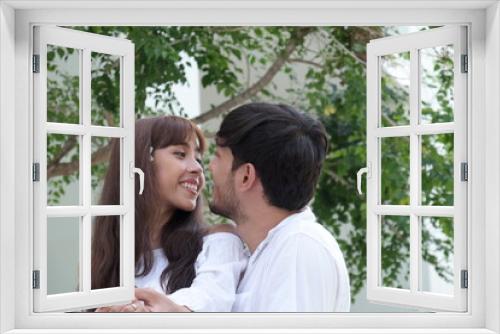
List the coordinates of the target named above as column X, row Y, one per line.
column 175, row 253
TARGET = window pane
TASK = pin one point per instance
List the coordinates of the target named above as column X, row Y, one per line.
column 395, row 251
column 437, row 255
column 395, row 170
column 105, row 258
column 105, row 89
column 63, row 254
column 436, row 84
column 395, row 89
column 63, row 169
column 63, row 85
column 105, row 171
column 437, row 169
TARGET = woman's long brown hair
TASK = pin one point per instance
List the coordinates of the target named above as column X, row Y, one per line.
column 181, row 237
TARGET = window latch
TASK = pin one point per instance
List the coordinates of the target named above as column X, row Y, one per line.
column 139, row 171
column 364, row 170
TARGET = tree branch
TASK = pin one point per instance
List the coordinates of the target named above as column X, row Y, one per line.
column 337, row 178
column 341, row 46
column 67, row 147
column 372, row 33
column 304, row 61
column 292, row 45
column 64, row 169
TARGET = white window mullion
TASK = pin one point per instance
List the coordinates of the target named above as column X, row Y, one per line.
column 81, row 180
column 435, row 128
column 395, row 131
column 419, row 210
column 86, row 175
column 414, row 170
column 80, row 130
column 420, row 129
column 106, row 131
column 67, row 129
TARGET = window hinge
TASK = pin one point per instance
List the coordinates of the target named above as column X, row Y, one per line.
column 36, row 63
column 36, row 279
column 465, row 66
column 464, row 171
column 36, row 172
column 464, row 279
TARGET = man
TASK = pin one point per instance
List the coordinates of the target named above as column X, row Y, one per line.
column 265, row 170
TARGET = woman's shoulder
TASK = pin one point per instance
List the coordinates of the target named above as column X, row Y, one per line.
column 221, row 244
column 222, row 228
column 221, row 232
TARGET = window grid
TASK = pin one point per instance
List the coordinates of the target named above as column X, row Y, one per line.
column 85, row 43
column 414, row 131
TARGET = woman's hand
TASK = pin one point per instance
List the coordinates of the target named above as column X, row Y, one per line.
column 157, row 302
column 134, row 306
column 147, row 300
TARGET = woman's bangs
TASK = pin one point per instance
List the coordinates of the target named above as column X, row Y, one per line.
column 175, row 131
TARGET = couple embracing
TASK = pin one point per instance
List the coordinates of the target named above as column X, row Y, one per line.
column 276, row 258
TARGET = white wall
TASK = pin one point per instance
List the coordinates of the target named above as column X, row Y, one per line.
column 187, row 94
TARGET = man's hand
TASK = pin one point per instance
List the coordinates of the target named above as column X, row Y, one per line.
column 157, row 302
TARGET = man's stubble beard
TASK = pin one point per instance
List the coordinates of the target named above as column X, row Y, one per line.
column 227, row 205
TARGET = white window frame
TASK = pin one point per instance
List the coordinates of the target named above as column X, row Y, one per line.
column 16, row 19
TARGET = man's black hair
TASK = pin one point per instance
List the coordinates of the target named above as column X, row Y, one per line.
column 286, row 147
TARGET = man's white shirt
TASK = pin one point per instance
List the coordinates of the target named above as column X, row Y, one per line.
column 298, row 267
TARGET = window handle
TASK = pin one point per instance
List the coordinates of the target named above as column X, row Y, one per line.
column 133, row 171
column 364, row 170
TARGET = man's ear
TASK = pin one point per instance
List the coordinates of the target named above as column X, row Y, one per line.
column 247, row 177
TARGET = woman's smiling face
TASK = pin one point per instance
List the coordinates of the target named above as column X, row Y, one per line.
column 179, row 174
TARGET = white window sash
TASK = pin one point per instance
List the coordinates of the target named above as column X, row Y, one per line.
column 85, row 297
column 413, row 42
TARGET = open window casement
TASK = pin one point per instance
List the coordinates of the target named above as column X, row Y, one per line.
column 417, row 169
column 71, row 134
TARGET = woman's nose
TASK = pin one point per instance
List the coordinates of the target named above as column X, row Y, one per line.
column 195, row 167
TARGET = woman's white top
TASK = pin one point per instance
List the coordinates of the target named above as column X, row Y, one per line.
column 218, row 269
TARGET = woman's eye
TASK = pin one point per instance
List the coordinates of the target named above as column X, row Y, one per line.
column 200, row 162
column 180, row 154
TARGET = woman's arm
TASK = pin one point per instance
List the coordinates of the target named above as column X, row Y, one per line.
column 218, row 270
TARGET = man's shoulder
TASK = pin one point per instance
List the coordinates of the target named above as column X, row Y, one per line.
column 307, row 233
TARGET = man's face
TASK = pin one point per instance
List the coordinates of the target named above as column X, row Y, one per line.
column 224, row 201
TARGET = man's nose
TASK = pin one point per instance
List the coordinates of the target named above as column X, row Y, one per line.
column 210, row 165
